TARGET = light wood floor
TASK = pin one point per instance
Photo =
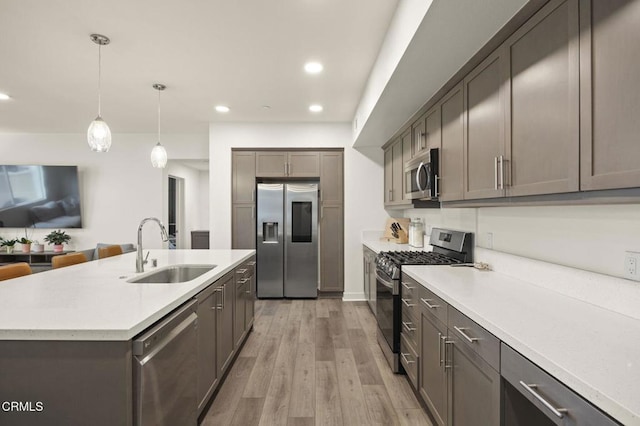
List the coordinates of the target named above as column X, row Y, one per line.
column 313, row 362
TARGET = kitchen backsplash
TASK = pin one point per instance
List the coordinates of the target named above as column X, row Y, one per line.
column 592, row 238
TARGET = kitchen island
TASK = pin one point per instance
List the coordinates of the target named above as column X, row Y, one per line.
column 66, row 334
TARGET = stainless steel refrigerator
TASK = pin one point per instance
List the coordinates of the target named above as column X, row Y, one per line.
column 287, row 240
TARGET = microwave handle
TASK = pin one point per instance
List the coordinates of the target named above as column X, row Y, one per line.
column 420, row 167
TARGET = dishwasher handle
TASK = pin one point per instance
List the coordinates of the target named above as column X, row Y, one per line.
column 149, row 340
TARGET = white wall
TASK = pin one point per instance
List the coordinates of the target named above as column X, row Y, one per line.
column 117, row 188
column 593, row 238
column 363, row 181
column 196, row 200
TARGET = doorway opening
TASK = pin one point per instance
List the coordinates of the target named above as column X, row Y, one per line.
column 176, row 206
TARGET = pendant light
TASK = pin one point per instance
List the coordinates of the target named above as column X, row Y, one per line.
column 99, row 134
column 158, row 153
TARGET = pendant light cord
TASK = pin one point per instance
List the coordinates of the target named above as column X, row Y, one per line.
column 159, row 115
column 99, row 77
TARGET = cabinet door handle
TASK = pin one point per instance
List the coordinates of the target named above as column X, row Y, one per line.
column 440, row 338
column 404, row 356
column 407, row 286
column 558, row 412
column 391, row 195
column 420, row 167
column 437, row 190
column 495, row 169
column 218, row 306
column 465, row 335
column 446, row 342
column 501, row 170
column 253, row 195
column 407, row 304
column 288, row 169
column 429, row 305
column 407, row 327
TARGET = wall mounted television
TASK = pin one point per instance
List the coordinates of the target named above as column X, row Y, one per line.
column 39, row 197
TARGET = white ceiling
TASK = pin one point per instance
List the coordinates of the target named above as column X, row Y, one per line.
column 241, row 53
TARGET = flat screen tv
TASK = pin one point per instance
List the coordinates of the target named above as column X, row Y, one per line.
column 39, row 197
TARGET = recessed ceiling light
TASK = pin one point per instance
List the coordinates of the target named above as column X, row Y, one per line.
column 4, row 97
column 266, row 106
column 313, row 67
column 315, row 108
column 222, row 108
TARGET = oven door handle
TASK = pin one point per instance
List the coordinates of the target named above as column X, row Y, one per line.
column 389, row 284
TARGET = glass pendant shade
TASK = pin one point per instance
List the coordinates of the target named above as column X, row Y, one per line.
column 99, row 135
column 158, row 156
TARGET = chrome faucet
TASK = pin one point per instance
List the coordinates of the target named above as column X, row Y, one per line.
column 163, row 232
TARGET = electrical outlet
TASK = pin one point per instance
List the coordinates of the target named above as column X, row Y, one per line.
column 488, row 240
column 631, row 261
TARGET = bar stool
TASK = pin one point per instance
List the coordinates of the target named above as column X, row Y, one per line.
column 14, row 270
column 67, row 260
column 109, row 251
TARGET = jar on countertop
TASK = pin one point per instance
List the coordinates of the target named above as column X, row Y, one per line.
column 416, row 232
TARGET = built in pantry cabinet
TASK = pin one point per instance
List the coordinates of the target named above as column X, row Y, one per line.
column 287, row 164
column 331, row 221
column 249, row 166
column 610, row 95
column 243, row 196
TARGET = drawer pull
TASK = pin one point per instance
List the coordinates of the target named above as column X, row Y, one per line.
column 241, row 271
column 407, row 304
column 429, row 305
column 407, row 327
column 404, row 357
column 465, row 335
column 558, row 412
column 252, row 263
column 407, row 286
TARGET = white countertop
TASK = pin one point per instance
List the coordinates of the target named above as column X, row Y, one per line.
column 94, row 301
column 377, row 246
column 592, row 350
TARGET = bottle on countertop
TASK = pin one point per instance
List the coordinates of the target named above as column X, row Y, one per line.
column 416, row 232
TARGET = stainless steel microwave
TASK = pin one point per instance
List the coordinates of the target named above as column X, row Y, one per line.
column 421, row 176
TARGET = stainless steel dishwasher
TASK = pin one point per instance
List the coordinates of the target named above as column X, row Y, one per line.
column 165, row 368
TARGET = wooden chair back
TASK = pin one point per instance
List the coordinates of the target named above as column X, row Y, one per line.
column 67, row 260
column 14, row 270
column 109, row 251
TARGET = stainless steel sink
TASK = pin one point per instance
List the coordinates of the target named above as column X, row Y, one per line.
column 173, row 274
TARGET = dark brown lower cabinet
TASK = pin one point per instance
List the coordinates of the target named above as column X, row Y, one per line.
column 224, row 324
column 207, row 371
column 433, row 373
column 473, row 386
column 459, row 363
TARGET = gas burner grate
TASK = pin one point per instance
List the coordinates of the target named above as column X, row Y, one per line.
column 419, row 258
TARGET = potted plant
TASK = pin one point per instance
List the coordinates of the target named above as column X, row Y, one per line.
column 9, row 244
column 57, row 238
column 26, row 244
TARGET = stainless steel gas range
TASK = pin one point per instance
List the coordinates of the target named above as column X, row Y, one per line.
column 449, row 247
